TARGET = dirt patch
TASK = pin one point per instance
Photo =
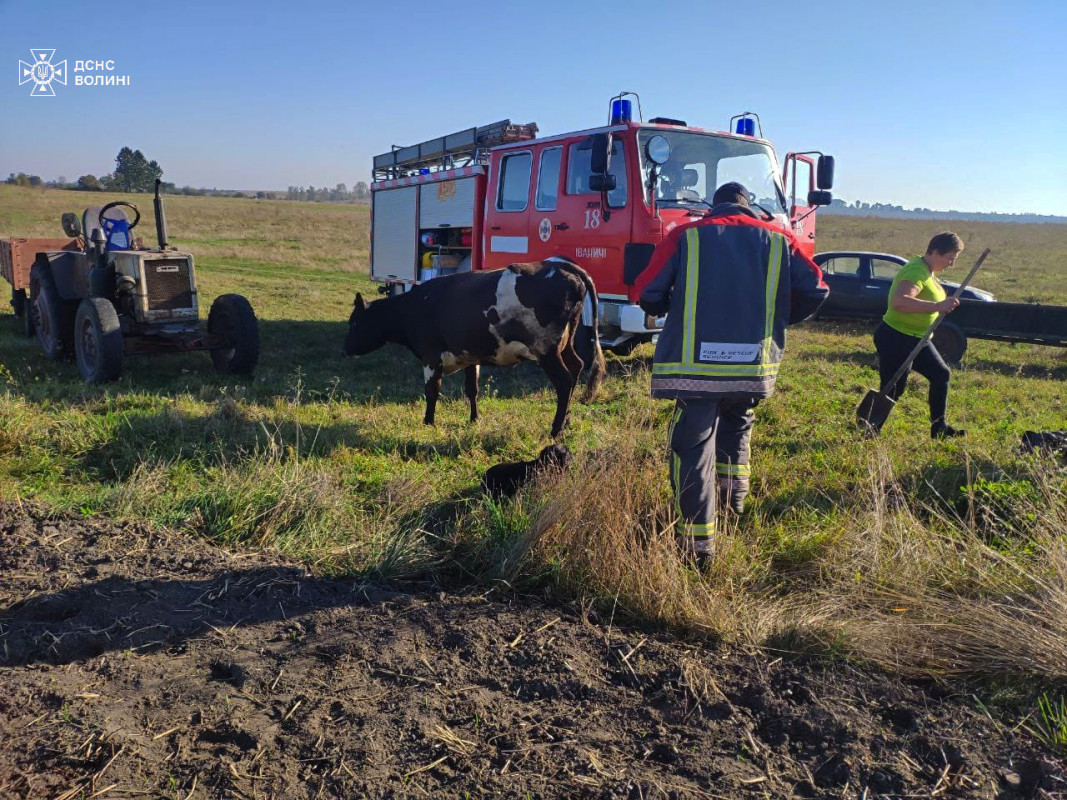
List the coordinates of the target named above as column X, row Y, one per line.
column 141, row 662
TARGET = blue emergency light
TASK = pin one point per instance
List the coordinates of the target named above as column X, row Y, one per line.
column 746, row 126
column 621, row 111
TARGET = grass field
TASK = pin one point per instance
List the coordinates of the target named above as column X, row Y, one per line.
column 922, row 557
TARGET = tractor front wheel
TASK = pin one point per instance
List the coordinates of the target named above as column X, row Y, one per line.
column 233, row 321
column 97, row 341
column 51, row 318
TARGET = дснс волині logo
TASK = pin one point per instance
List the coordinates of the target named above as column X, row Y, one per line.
column 42, row 72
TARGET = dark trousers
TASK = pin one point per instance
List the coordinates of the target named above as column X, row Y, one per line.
column 709, row 442
column 893, row 347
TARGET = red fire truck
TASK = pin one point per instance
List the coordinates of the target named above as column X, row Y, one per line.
column 490, row 196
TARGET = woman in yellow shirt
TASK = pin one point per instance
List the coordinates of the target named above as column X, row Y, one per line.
column 915, row 300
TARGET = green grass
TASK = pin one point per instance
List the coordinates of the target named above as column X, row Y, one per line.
column 326, row 460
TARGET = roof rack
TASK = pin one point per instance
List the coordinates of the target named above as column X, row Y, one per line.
column 458, row 149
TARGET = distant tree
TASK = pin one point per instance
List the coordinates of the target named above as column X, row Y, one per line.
column 35, row 180
column 134, row 172
column 361, row 190
column 89, row 183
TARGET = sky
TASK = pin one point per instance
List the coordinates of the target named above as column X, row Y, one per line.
column 937, row 104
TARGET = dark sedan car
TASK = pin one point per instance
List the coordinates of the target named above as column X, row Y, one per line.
column 859, row 283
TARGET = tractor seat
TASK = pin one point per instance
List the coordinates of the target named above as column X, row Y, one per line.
column 119, row 239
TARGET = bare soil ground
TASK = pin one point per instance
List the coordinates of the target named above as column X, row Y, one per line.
column 137, row 662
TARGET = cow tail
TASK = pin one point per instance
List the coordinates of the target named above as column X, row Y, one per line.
column 598, row 368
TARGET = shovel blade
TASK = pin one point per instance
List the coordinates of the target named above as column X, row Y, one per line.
column 873, row 411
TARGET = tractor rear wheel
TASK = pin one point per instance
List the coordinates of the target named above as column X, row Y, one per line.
column 51, row 318
column 233, row 321
column 97, row 341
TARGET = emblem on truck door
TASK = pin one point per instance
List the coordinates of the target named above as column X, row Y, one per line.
column 544, row 230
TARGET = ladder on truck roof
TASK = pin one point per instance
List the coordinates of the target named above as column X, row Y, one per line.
column 459, row 149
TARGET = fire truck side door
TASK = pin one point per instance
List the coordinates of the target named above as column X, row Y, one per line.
column 580, row 230
column 799, row 179
column 507, row 235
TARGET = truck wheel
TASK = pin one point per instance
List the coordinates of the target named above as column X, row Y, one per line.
column 583, row 344
column 97, row 341
column 234, row 322
column 626, row 347
column 951, row 343
column 51, row 318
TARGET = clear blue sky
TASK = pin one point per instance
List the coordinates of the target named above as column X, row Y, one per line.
column 941, row 104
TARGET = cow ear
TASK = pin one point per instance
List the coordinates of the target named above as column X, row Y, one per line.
column 360, row 304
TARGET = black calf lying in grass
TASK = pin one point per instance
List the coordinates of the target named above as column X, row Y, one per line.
column 507, row 478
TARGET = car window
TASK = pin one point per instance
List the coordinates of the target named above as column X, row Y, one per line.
column 884, row 268
column 842, row 265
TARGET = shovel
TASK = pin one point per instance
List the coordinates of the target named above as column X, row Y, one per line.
column 877, row 405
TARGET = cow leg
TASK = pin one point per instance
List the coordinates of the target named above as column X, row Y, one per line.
column 432, row 376
column 552, row 364
column 470, row 386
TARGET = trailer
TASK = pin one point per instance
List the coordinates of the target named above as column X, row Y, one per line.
column 603, row 198
column 1018, row 323
column 16, row 259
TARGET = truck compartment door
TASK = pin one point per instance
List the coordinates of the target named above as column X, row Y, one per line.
column 394, row 244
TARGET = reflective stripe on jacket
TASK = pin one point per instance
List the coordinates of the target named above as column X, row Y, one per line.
column 730, row 284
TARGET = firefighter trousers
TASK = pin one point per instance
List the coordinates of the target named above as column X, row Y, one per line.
column 709, row 441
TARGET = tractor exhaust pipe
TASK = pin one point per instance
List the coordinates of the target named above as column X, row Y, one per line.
column 161, row 218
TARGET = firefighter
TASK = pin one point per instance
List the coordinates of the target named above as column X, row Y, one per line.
column 729, row 283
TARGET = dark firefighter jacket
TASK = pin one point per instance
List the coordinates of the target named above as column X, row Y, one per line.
column 729, row 284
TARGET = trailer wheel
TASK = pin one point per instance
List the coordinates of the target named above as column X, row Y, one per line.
column 51, row 318
column 20, row 306
column 97, row 341
column 233, row 320
column 951, row 343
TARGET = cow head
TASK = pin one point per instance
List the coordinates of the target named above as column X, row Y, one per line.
column 366, row 332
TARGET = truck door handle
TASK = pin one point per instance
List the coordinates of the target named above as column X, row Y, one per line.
column 563, row 226
column 495, row 228
column 876, row 286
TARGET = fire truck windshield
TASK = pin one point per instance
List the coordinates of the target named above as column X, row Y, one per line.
column 701, row 162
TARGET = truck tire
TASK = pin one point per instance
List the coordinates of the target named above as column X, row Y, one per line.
column 51, row 318
column 97, row 341
column 951, row 343
column 583, row 344
column 234, row 322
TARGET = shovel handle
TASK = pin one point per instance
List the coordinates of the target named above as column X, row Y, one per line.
column 930, row 331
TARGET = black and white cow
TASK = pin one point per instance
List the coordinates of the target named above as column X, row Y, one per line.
column 524, row 312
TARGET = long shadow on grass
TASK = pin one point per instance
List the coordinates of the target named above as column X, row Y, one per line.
column 295, row 355
column 120, row 613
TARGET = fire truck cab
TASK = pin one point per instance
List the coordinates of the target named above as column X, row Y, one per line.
column 602, row 198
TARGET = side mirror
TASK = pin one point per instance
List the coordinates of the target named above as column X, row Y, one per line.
column 658, row 150
column 824, row 172
column 602, row 183
column 601, row 153
column 71, row 226
column 819, row 198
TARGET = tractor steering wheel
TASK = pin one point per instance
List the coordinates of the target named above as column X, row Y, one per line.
column 116, row 204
